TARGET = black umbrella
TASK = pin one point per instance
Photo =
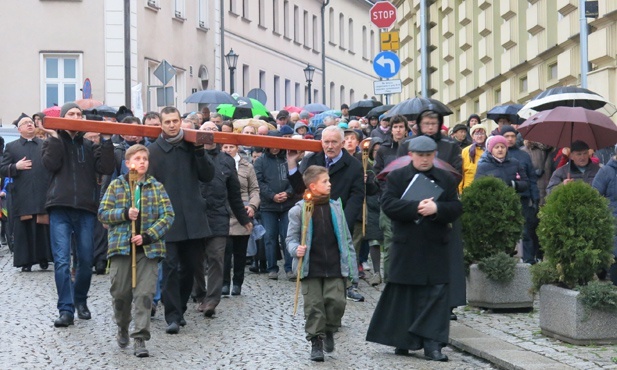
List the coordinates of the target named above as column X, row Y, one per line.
column 103, row 110
column 510, row 111
column 211, row 97
column 378, row 111
column 567, row 96
column 410, row 108
column 362, row 107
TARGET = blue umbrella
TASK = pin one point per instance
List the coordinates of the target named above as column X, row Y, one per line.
column 315, row 108
column 509, row 111
column 318, row 118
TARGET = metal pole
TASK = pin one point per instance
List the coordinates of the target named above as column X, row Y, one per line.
column 309, row 91
column 221, row 13
column 424, row 48
column 323, row 51
column 231, row 80
column 583, row 41
column 127, row 53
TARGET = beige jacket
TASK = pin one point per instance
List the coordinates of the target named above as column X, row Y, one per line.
column 249, row 188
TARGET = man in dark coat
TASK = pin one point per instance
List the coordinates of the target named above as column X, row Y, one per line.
column 222, row 194
column 413, row 310
column 346, row 177
column 180, row 166
column 22, row 161
column 76, row 165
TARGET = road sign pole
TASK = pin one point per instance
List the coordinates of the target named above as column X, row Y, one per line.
column 424, row 48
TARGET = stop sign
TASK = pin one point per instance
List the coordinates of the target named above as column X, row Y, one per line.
column 383, row 14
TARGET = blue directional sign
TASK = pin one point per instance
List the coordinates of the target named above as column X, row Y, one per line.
column 386, row 64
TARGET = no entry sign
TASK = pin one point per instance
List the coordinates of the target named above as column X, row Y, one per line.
column 383, row 14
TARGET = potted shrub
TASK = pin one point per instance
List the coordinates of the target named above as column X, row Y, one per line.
column 492, row 224
column 576, row 233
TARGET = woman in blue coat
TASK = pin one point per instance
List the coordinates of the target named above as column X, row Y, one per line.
column 496, row 162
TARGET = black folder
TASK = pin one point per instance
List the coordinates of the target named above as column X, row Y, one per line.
column 420, row 188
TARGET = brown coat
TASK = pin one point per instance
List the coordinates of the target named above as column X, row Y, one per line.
column 249, row 187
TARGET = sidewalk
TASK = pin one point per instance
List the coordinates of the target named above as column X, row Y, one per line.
column 514, row 341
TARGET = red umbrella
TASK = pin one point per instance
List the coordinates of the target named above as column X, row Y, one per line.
column 560, row 126
column 293, row 109
column 88, row 103
column 406, row 160
column 52, row 111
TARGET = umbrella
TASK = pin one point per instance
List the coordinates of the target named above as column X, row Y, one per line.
column 410, row 108
column 103, row 110
column 406, row 160
column 378, row 111
column 239, row 124
column 561, row 126
column 52, row 111
column 292, row 109
column 315, row 108
column 88, row 103
column 318, row 118
column 242, row 110
column 567, row 96
column 211, row 97
column 509, row 111
column 362, row 107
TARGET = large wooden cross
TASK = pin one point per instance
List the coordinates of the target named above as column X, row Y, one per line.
column 193, row 136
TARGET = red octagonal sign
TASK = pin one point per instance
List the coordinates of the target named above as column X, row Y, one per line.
column 383, row 14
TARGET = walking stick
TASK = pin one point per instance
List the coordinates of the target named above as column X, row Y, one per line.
column 133, row 177
column 365, row 144
column 307, row 213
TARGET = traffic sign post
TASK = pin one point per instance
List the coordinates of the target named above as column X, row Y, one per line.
column 164, row 95
column 386, row 87
column 386, row 64
column 390, row 40
column 383, row 14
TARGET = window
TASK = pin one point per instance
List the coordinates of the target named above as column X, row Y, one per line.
column 233, row 6
column 245, row 80
column 276, row 28
column 306, row 29
column 297, row 96
column 364, row 43
column 352, row 96
column 202, row 14
column 61, row 78
column 287, row 92
column 498, row 97
column 179, row 90
column 315, row 34
column 262, row 80
column 277, row 92
column 331, row 26
column 476, row 105
column 341, row 30
column 350, row 45
column 179, row 9
column 262, row 13
column 296, row 24
column 523, row 84
column 342, row 95
column 315, row 95
column 245, row 9
column 286, row 18
column 372, row 43
column 552, row 71
column 153, row 4
column 332, row 94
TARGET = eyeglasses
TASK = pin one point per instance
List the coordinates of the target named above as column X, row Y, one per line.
column 25, row 123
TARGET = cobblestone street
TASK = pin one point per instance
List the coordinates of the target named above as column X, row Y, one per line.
column 253, row 331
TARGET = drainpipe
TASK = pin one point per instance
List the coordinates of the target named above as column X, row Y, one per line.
column 424, row 48
column 323, row 52
column 222, row 15
column 583, row 41
column 127, row 53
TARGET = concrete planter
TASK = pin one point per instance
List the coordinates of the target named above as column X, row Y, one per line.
column 484, row 292
column 563, row 317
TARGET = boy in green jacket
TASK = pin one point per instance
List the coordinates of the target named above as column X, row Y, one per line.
column 153, row 216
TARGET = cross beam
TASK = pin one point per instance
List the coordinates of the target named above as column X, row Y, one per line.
column 193, row 136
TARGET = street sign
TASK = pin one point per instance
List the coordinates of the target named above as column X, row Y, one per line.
column 259, row 95
column 390, row 40
column 165, row 72
column 387, row 87
column 383, row 14
column 86, row 91
column 164, row 96
column 386, row 64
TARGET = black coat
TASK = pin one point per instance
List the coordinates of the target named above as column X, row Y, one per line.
column 510, row 171
column 76, row 166
column 271, row 171
column 29, row 186
column 447, row 150
column 180, row 168
column 223, row 195
column 387, row 152
column 346, row 178
column 419, row 253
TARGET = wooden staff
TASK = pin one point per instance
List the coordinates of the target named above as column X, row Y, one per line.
column 364, row 144
column 307, row 213
column 133, row 177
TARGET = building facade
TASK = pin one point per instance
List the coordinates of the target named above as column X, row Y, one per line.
column 485, row 53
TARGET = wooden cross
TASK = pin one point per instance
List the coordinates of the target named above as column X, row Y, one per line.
column 193, row 136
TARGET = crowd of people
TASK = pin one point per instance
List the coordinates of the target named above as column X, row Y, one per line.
column 196, row 216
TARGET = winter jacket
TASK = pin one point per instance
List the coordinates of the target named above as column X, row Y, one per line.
column 509, row 171
column 222, row 194
column 525, row 160
column 386, row 153
column 561, row 174
column 345, row 246
column 606, row 184
column 271, row 171
column 180, row 168
column 75, row 165
column 447, row 150
column 469, row 167
column 541, row 160
column 156, row 216
column 378, row 132
column 249, row 189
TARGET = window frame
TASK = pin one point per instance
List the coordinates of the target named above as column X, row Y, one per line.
column 60, row 81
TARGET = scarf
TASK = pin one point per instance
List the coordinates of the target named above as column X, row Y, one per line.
column 173, row 140
column 237, row 159
column 384, row 129
column 472, row 151
column 321, row 199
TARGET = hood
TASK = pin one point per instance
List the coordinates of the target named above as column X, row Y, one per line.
column 298, row 125
column 374, row 141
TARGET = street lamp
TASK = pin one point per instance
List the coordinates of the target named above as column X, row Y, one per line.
column 232, row 61
column 309, row 71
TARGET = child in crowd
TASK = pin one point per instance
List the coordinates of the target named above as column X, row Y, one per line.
column 328, row 259
column 153, row 216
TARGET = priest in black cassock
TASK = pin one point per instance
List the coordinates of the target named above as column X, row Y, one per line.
column 22, row 162
column 414, row 309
